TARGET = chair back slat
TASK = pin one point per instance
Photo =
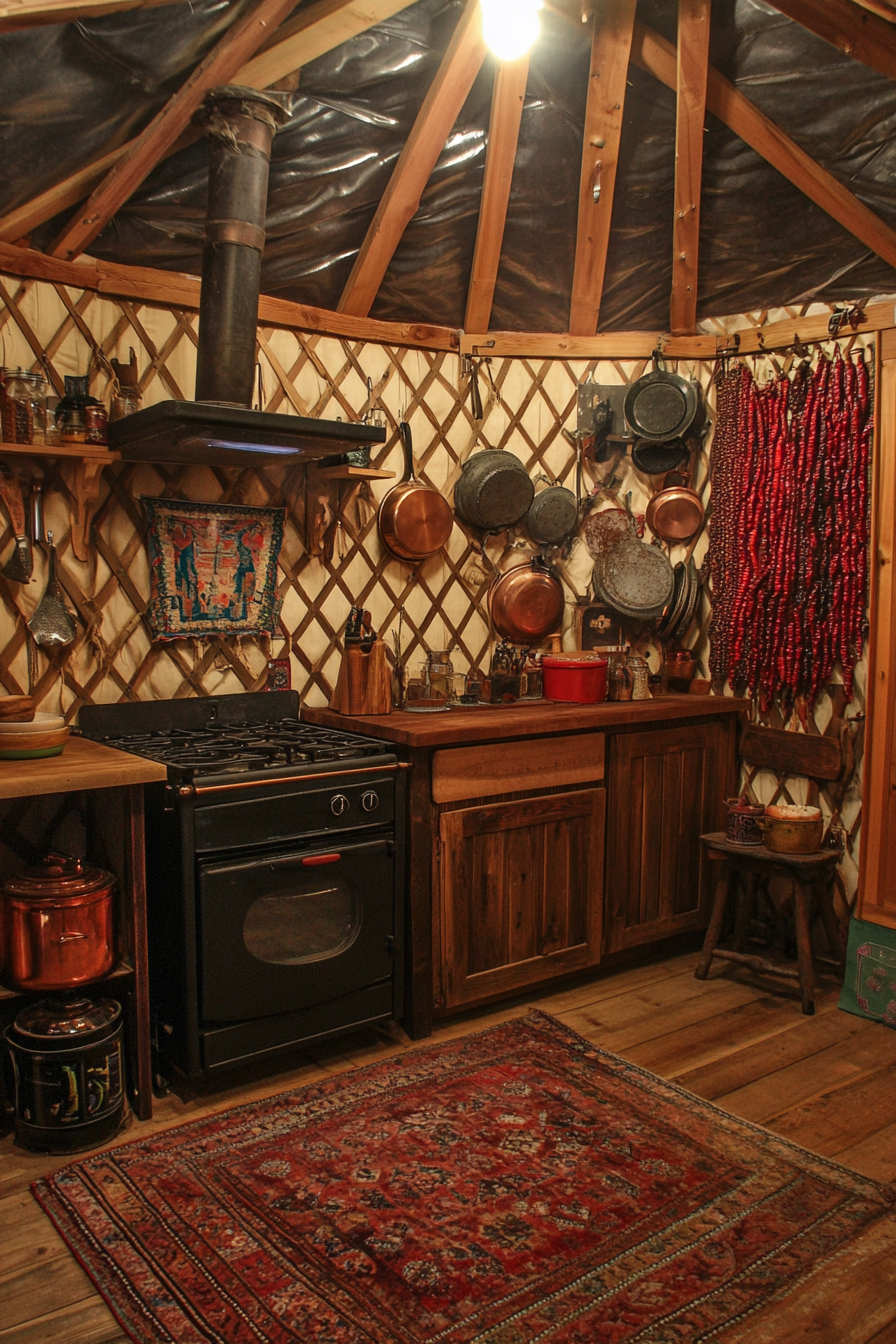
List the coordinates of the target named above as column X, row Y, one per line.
column 792, row 753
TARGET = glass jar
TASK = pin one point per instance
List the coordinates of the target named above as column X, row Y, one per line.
column 96, row 419
column 533, row 678
column 24, row 408
column 125, row 401
column 619, row 677
column 439, row 672
column 640, row 674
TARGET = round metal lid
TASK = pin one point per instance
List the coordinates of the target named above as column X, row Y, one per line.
column 636, row 579
column 58, row 875
column 61, row 1019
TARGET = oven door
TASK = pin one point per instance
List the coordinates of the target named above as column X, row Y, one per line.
column 284, row 931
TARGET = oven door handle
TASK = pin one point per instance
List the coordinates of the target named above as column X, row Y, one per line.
column 318, row 860
column 189, row 789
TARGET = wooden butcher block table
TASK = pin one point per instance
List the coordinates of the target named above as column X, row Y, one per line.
column 545, row 839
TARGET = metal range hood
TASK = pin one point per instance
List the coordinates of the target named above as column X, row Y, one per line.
column 219, row 428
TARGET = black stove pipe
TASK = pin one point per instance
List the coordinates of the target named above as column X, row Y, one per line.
column 240, row 124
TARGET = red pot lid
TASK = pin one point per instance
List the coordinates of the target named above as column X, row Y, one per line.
column 58, row 875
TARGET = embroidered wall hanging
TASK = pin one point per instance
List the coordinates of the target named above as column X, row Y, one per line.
column 212, row 568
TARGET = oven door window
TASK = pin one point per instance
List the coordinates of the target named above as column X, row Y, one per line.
column 279, row 932
column 314, row 920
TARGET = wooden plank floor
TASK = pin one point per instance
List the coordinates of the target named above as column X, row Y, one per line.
column 827, row 1082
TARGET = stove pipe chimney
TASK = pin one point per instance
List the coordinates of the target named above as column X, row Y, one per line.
column 240, row 124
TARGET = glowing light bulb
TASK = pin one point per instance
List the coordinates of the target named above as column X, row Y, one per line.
column 510, row 27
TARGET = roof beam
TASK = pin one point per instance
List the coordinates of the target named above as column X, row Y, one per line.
column 401, row 199
column 318, row 28
column 218, row 67
column 611, row 42
column 655, row 55
column 881, row 7
column 508, row 100
column 855, row 32
column 693, row 65
column 18, row 14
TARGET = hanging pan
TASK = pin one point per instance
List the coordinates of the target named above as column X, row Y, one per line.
column 494, row 490
column 552, row 515
column 635, row 579
column 526, row 602
column 676, row 512
column 414, row 519
column 655, row 459
column 661, row 405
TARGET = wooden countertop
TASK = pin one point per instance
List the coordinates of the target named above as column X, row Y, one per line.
column 82, row 765
column 538, row 718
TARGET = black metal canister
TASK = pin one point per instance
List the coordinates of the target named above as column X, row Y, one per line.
column 69, row 1073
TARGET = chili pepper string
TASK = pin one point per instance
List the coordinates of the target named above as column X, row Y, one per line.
column 789, row 529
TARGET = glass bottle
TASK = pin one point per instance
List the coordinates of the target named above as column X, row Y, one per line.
column 619, row 681
column 640, row 674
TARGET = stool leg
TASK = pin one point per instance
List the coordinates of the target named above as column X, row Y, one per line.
column 745, row 909
column 825, row 892
column 801, row 893
column 715, row 924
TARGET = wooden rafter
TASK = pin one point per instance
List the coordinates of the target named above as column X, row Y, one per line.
column 610, row 47
column 693, row 65
column 655, row 55
column 862, row 35
column 508, row 100
column 21, row 222
column 879, row 7
column 401, row 199
column 318, row 28
column 18, row 14
column 218, row 67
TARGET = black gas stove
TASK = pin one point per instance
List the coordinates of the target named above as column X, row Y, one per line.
column 274, row 875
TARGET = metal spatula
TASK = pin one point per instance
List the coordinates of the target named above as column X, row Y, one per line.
column 20, row 564
column 51, row 625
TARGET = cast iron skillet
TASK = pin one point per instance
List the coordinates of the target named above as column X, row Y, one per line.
column 655, row 459
column 660, row 405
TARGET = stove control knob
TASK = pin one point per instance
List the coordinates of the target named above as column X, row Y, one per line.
column 370, row 801
column 339, row 805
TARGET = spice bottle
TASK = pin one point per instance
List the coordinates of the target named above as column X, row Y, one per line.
column 640, row 674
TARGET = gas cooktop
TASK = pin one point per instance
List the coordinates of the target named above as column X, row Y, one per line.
column 226, row 735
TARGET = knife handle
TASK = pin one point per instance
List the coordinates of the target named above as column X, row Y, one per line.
column 11, row 494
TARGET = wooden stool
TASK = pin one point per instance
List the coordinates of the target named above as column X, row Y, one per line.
column 812, row 875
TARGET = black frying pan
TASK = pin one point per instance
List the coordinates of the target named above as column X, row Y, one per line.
column 661, row 405
column 654, row 459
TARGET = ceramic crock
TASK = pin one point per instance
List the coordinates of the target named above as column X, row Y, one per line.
column 69, row 1073
column 744, row 822
column 57, row 925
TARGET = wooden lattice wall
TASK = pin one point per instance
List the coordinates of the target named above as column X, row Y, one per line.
column 527, row 404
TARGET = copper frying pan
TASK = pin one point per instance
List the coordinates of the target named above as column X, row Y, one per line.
column 676, row 512
column 414, row 520
column 526, row 603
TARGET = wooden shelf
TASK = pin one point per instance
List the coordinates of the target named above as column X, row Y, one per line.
column 355, row 474
column 85, row 452
column 123, row 968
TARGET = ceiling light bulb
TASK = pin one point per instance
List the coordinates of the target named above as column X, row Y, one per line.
column 510, row 27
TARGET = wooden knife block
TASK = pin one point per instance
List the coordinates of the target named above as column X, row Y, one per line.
column 364, row 685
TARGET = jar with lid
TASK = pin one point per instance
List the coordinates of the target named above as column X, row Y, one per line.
column 619, row 677
column 640, row 674
column 439, row 673
column 24, row 407
column 70, row 411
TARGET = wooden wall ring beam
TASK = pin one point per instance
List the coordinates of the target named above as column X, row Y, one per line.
column 508, row 101
column 692, row 70
column 610, row 51
column 441, row 107
column 655, row 55
column 218, row 67
column 862, row 35
column 34, row 13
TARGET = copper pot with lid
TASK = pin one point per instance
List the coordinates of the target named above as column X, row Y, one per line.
column 58, row 925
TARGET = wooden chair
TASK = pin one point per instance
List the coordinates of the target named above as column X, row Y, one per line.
column 748, row 869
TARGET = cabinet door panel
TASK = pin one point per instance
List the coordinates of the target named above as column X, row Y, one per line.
column 521, row 888
column 665, row 789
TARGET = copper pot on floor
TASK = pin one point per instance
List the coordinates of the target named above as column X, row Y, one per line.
column 58, row 926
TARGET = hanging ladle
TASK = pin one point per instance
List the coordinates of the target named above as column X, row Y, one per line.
column 51, row 625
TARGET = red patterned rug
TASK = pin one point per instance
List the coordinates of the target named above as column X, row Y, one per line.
column 511, row 1187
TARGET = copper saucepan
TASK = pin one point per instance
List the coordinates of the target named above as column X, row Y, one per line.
column 414, row 519
column 676, row 512
column 526, row 602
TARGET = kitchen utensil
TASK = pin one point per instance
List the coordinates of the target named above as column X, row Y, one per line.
column 577, row 678
column 653, row 459
column 51, row 625
column 798, row 831
column 33, row 746
column 20, row 564
column 494, row 490
column 552, row 515
column 16, row 709
column 661, row 405
column 635, row 579
column 676, row 512
column 69, row 1073
column 414, row 519
column 526, row 602
column 58, row 925
column 36, row 512
column 689, row 603
column 743, row 826
column 675, row 604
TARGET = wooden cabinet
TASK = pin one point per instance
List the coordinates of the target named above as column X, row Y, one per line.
column 666, row 787
column 520, row 893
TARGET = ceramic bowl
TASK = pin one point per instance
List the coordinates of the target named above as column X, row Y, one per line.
column 41, row 723
column 33, row 746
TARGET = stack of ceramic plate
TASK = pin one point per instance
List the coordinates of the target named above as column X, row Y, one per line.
column 45, row 735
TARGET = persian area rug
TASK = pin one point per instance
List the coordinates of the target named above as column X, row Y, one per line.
column 514, row 1186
